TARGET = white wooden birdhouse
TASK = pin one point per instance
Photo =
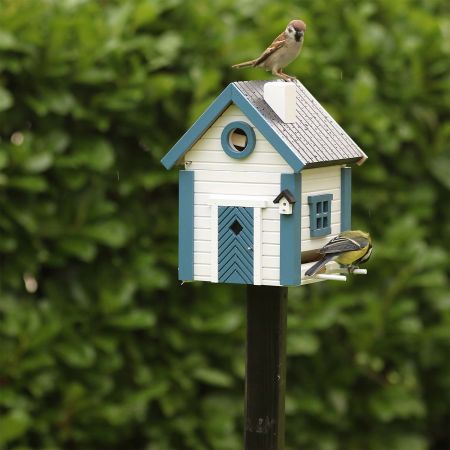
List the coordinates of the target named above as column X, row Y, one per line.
column 265, row 183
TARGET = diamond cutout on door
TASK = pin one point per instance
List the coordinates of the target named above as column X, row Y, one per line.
column 236, row 227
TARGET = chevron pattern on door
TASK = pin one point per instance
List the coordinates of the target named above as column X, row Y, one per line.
column 235, row 245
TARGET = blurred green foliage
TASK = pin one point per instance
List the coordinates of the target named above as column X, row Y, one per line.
column 101, row 348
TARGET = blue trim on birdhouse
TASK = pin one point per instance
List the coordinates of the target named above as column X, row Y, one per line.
column 198, row 128
column 320, row 214
column 346, row 198
column 230, row 95
column 228, row 147
column 290, row 229
column 186, row 226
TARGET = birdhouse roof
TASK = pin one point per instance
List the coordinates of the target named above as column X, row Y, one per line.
column 287, row 194
column 314, row 139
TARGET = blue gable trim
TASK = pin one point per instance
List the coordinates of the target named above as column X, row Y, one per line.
column 290, row 229
column 346, row 198
column 258, row 120
column 200, row 126
column 186, row 226
column 229, row 95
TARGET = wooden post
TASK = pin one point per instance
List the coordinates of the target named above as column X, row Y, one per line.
column 265, row 380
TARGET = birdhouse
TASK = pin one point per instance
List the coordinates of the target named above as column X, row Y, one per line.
column 285, row 200
column 265, row 182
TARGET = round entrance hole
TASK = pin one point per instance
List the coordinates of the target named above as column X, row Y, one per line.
column 238, row 139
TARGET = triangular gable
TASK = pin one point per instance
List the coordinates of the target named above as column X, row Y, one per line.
column 230, row 95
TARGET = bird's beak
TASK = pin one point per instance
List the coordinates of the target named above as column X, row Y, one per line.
column 298, row 35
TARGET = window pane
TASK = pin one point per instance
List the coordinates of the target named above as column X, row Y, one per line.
column 325, row 221
column 319, row 222
column 319, row 207
column 325, row 206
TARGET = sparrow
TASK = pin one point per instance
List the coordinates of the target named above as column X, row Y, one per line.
column 348, row 248
column 281, row 52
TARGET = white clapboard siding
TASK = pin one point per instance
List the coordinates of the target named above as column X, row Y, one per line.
column 271, row 238
column 202, row 222
column 202, row 270
column 202, row 246
column 271, row 225
column 322, row 172
column 203, row 258
column 202, row 210
column 239, row 177
column 220, row 157
column 271, row 274
column 270, row 250
column 208, row 144
column 217, row 174
column 271, row 262
column 201, row 234
column 271, row 243
column 207, row 152
column 272, row 213
column 232, row 167
column 249, row 189
column 324, row 180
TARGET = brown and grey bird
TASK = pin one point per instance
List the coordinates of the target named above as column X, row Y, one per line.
column 348, row 248
column 281, row 52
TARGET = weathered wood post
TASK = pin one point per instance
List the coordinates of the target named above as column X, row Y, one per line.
column 265, row 379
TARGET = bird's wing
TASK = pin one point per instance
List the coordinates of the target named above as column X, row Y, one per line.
column 341, row 244
column 271, row 49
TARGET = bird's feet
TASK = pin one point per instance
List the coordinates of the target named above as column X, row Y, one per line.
column 284, row 76
column 352, row 268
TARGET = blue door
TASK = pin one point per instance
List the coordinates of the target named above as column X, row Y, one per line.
column 235, row 245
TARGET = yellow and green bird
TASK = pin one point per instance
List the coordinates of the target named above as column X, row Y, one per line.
column 348, row 248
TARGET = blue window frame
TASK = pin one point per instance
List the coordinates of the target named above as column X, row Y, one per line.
column 238, row 139
column 320, row 214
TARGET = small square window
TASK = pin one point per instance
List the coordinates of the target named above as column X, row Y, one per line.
column 320, row 214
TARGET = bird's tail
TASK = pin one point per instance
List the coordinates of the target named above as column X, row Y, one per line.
column 244, row 64
column 319, row 264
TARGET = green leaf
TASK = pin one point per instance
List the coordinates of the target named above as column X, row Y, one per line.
column 440, row 168
column 135, row 319
column 4, row 159
column 38, row 162
column 78, row 247
column 302, row 344
column 13, row 425
column 117, row 297
column 112, row 232
column 28, row 183
column 7, row 41
column 76, row 354
column 214, row 377
column 6, row 99
column 94, row 153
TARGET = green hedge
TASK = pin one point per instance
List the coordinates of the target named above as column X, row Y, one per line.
column 101, row 348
